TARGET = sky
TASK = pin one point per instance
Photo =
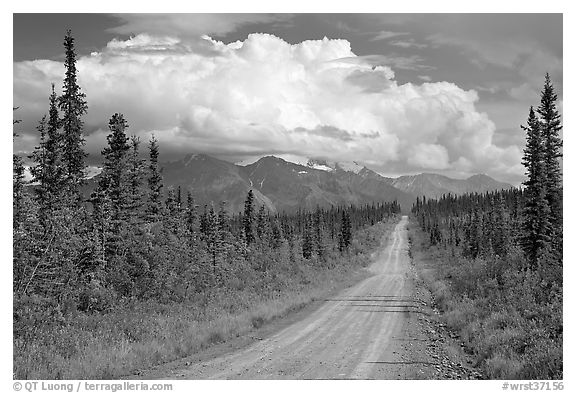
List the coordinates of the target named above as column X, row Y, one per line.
column 400, row 93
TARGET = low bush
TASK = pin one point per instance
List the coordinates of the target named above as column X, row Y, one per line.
column 510, row 321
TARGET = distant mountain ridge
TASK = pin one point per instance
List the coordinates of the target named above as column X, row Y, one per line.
column 292, row 186
column 282, row 185
column 433, row 185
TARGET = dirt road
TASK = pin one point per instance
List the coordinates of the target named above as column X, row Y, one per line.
column 352, row 336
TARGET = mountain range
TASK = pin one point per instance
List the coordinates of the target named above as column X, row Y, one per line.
column 286, row 186
column 433, row 185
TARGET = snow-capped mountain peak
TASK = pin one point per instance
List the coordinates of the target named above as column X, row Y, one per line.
column 319, row 164
column 352, row 166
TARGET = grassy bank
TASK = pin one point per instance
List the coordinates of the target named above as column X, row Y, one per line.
column 138, row 335
column 512, row 329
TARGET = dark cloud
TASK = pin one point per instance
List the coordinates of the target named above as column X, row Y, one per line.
column 190, row 25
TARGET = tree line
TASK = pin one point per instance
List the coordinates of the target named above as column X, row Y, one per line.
column 529, row 218
column 134, row 238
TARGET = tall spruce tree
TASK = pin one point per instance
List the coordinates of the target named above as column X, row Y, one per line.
column 191, row 217
column 223, row 220
column 248, row 218
column 536, row 214
column 345, row 235
column 135, row 173
column 48, row 171
column 319, row 246
column 263, row 226
column 277, row 236
column 114, row 173
column 172, row 218
column 551, row 127
column 73, row 105
column 110, row 199
column 307, row 238
column 38, row 172
column 154, row 206
column 54, row 169
column 212, row 238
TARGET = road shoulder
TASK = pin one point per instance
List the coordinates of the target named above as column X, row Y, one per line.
column 436, row 352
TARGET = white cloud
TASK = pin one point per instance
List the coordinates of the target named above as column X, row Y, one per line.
column 264, row 95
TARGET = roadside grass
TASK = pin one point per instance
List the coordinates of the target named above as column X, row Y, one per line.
column 139, row 335
column 501, row 314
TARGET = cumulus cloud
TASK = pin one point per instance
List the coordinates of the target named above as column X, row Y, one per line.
column 315, row 98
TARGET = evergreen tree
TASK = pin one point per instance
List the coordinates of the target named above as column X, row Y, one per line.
column 190, row 216
column 536, row 213
column 551, row 127
column 318, row 235
column 154, row 183
column 114, row 173
column 223, row 220
column 262, row 226
column 38, row 172
column 54, row 171
column 345, row 236
column 73, row 105
column 47, row 170
column 212, row 238
column 102, row 213
column 501, row 228
column 277, row 235
column 110, row 199
column 307, row 239
column 135, row 175
column 248, row 218
column 171, row 203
